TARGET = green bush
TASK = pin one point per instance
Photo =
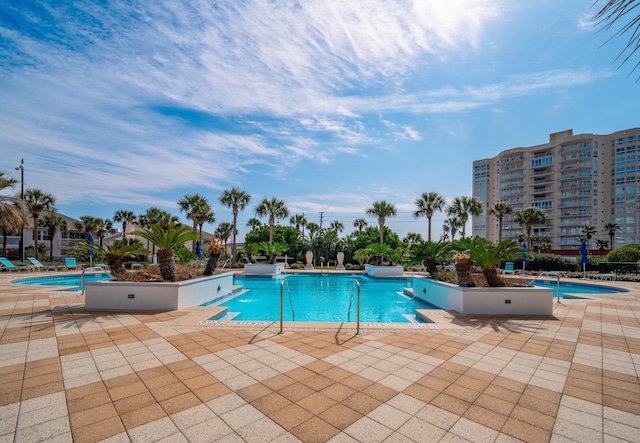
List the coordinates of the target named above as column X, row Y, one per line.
column 626, row 253
column 548, row 262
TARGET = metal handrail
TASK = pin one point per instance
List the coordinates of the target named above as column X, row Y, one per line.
column 95, row 269
column 225, row 263
column 550, row 273
column 356, row 283
column 293, row 313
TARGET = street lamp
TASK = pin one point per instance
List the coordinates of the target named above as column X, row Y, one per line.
column 21, row 169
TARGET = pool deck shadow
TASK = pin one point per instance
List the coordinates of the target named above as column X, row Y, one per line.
column 75, row 375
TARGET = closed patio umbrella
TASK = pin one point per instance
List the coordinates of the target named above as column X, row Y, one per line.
column 584, row 258
column 91, row 241
column 198, row 249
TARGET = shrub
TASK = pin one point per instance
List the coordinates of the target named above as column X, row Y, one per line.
column 547, row 262
column 626, row 253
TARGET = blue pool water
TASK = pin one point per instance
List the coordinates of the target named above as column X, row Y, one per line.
column 324, row 298
column 569, row 289
column 73, row 280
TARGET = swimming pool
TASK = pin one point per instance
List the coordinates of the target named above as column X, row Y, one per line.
column 73, row 280
column 323, row 298
column 568, row 289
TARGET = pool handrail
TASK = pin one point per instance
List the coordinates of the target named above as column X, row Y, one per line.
column 94, row 269
column 555, row 274
column 356, row 283
column 293, row 313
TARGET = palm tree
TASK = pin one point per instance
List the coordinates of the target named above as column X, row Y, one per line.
column 194, row 205
column 336, row 226
column 360, row 223
column 411, row 239
column 614, row 11
column 488, row 256
column 530, row 217
column 588, row 231
column 237, row 200
column 104, row 227
column 602, row 245
column 611, row 229
column 429, row 254
column 313, row 228
column 462, row 208
column 500, row 210
column 299, row 221
column 87, row 224
column 125, row 217
column 427, row 203
column 114, row 255
column 53, row 223
column 451, row 225
column 167, row 242
column 36, row 202
column 13, row 218
column 253, row 224
column 223, row 232
column 202, row 218
column 382, row 210
column 274, row 209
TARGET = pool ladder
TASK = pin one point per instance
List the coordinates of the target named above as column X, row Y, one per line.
column 356, row 285
column 549, row 273
column 95, row 270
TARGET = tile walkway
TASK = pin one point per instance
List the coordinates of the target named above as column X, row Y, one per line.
column 72, row 375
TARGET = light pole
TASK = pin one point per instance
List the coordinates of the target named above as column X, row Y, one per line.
column 21, row 169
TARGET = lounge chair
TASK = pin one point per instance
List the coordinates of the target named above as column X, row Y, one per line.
column 39, row 266
column 70, row 263
column 508, row 268
column 6, row 264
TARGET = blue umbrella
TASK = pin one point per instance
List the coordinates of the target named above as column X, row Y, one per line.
column 584, row 257
column 198, row 249
column 91, row 253
column 524, row 254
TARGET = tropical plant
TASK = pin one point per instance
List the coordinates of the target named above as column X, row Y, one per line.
column 215, row 249
column 237, row 200
column 114, row 255
column 611, row 14
column 429, row 254
column 362, row 255
column 272, row 250
column 313, row 229
column 196, row 207
column 360, row 223
column 336, row 226
column 274, row 209
column 463, row 207
column 451, row 226
column 250, row 249
column 530, row 217
column 87, row 225
column 253, row 224
column 411, row 238
column 53, row 223
column 488, row 256
column 36, row 202
column 602, row 245
column 500, row 210
column 167, row 242
column 13, row 218
column 379, row 251
column 299, row 221
column 588, row 231
column 381, row 210
column 224, row 231
column 427, row 204
column 104, row 227
column 611, row 229
column 126, row 218
column 184, row 255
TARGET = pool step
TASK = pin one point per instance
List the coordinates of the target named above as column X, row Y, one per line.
column 408, row 291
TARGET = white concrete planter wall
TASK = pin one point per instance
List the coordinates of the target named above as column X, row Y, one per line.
column 262, row 269
column 384, row 271
column 152, row 296
column 484, row 301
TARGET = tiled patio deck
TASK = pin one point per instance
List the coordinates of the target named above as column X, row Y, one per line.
column 71, row 375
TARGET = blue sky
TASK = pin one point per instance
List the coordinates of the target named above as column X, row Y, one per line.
column 326, row 105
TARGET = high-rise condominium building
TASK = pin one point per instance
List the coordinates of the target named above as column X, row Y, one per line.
column 578, row 180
